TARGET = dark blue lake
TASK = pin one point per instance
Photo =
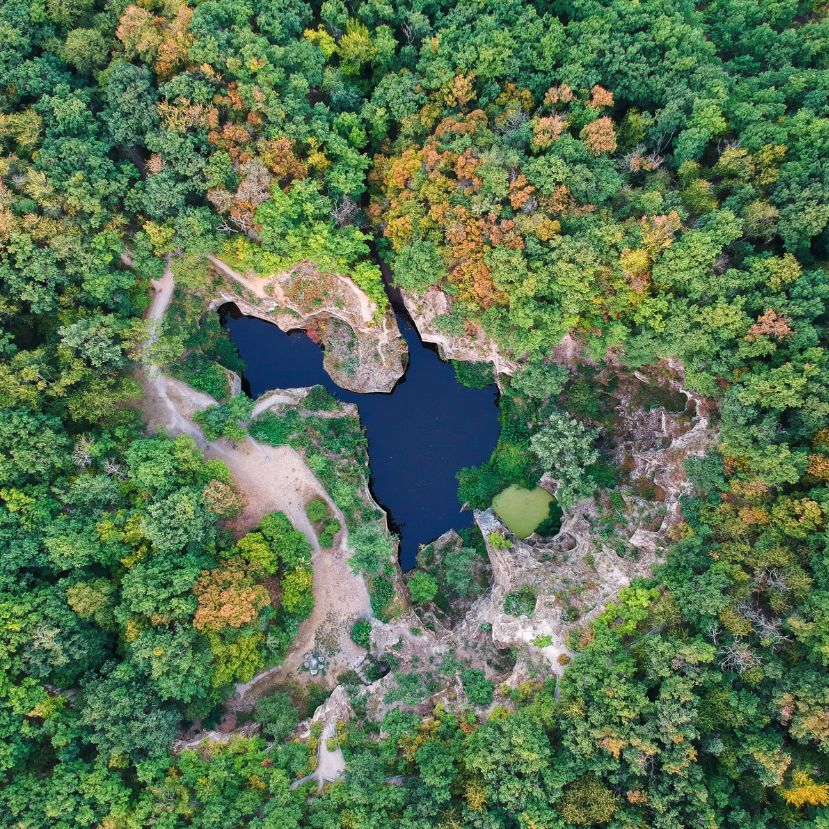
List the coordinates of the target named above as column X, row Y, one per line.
column 419, row 436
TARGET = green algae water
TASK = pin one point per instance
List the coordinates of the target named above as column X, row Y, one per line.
column 522, row 510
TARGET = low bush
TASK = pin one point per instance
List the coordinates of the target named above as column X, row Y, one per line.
column 202, row 374
column 521, row 602
column 376, row 670
column 278, row 716
column 423, row 588
column 316, row 510
column 372, row 550
column 478, row 485
column 652, row 397
column 499, row 542
column 319, row 399
column 382, row 595
column 223, row 420
column 409, row 690
column 602, row 474
column 326, row 540
column 474, row 375
column 276, row 430
column 552, row 523
column 479, row 689
column 361, row 633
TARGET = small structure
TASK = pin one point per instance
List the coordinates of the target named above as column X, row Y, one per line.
column 314, row 663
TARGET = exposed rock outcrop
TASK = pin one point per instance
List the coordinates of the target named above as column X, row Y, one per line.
column 335, row 709
column 574, row 574
column 364, row 351
column 473, row 345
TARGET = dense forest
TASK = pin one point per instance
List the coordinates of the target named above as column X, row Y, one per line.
column 650, row 177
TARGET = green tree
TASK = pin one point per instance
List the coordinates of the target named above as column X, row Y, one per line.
column 419, row 266
column 423, row 588
column 278, row 715
column 316, row 510
column 127, row 720
column 565, row 447
column 361, row 633
column 479, row 689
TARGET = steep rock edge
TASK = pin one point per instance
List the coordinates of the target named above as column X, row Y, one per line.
column 475, row 346
column 363, row 354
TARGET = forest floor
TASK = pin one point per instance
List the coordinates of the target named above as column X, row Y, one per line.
column 271, row 479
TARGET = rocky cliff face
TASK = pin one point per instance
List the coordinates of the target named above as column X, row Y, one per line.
column 364, row 351
column 469, row 342
column 602, row 545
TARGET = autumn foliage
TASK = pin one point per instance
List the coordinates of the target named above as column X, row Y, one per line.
column 228, row 597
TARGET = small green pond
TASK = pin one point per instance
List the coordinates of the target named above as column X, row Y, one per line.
column 522, row 510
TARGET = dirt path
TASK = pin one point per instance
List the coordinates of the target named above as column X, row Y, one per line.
column 270, row 400
column 272, row 478
column 257, row 288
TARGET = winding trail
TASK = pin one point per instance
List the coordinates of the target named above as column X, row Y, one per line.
column 272, row 478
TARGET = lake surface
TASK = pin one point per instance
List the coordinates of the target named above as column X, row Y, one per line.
column 522, row 510
column 419, row 436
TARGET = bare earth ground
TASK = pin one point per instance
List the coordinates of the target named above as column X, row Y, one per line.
column 272, row 479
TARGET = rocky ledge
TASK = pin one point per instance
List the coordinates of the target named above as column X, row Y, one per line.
column 364, row 351
column 432, row 314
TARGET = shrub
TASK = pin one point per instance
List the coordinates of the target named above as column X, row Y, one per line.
column 317, row 510
column 423, row 588
column 278, row 715
column 409, row 690
column 361, row 633
column 652, row 397
column 276, row 430
column 319, row 399
column 331, row 744
column 202, row 374
column 317, row 695
column 521, row 602
column 617, row 500
column 382, row 594
column 563, row 659
column 543, row 641
column 499, row 542
column 451, row 324
column 552, row 523
column 479, row 689
column 348, row 678
column 474, row 375
column 602, row 474
column 332, row 526
column 372, row 550
column 478, row 485
column 375, row 671
column 326, row 540
column 223, row 420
